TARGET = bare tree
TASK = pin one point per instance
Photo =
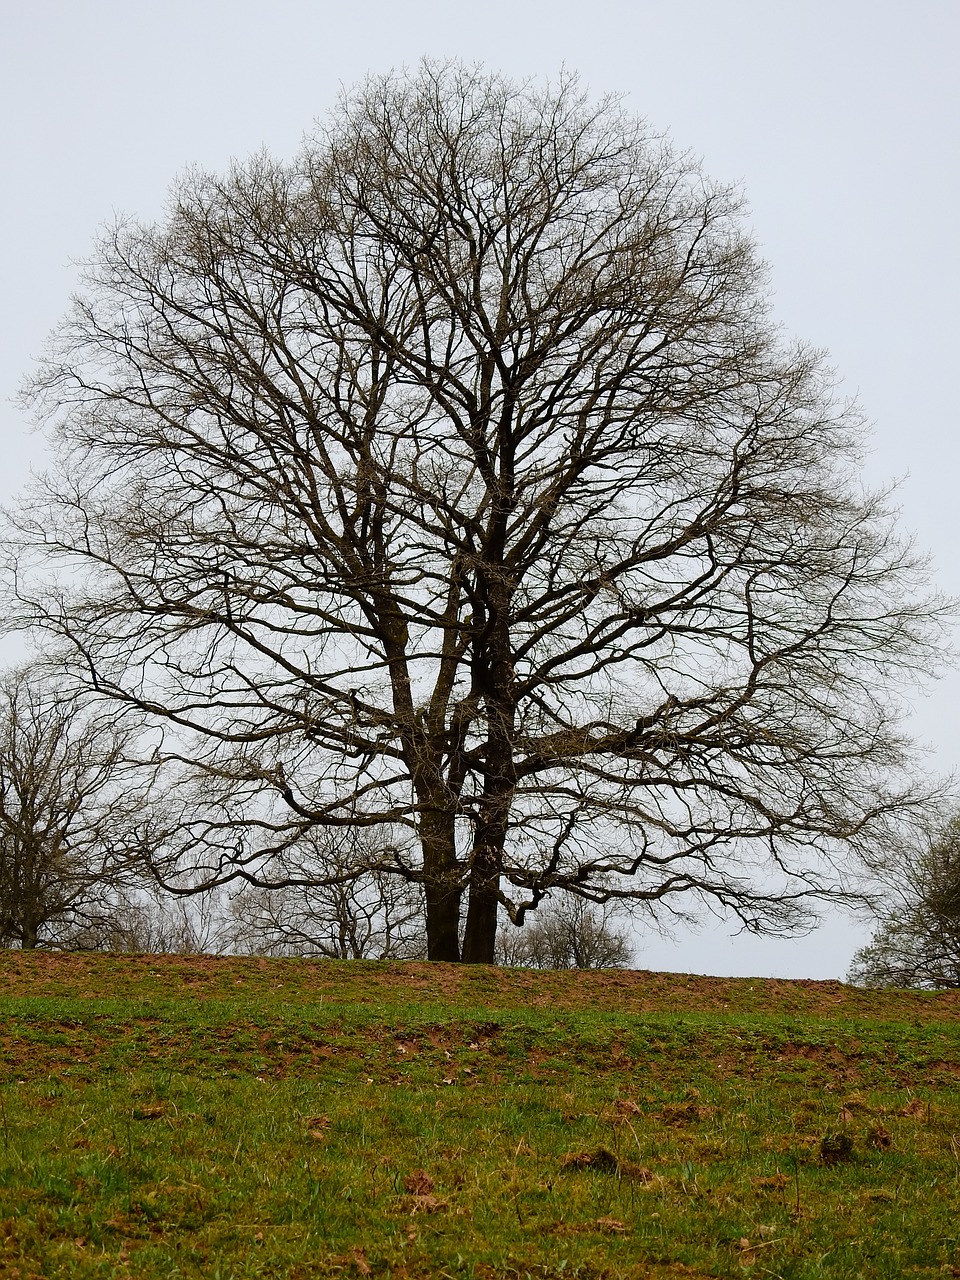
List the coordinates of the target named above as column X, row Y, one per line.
column 71, row 825
column 140, row 917
column 917, row 943
column 453, row 479
column 569, row 934
column 352, row 914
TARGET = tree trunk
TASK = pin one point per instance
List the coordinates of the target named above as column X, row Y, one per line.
column 480, row 936
column 442, row 890
column 443, row 921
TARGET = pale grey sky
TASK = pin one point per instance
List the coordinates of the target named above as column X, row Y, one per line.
column 840, row 117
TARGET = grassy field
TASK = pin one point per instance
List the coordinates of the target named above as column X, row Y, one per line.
column 216, row 1118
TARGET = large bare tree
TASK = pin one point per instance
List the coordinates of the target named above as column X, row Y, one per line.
column 453, row 480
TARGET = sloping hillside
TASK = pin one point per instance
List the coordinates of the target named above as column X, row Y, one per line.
column 200, row 1117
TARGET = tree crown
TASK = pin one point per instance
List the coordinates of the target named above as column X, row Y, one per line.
column 453, row 479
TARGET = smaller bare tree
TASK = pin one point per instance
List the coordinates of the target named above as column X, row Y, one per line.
column 352, row 913
column 917, row 942
column 143, row 919
column 570, row 934
column 72, row 820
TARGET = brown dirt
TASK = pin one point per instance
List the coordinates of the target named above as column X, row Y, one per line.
column 44, row 974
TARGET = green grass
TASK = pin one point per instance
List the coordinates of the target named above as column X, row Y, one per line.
column 348, row 1120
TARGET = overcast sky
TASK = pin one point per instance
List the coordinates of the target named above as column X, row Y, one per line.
column 840, row 118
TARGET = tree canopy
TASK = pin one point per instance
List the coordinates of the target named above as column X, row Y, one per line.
column 451, row 483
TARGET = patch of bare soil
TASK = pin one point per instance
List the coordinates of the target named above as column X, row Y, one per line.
column 358, row 982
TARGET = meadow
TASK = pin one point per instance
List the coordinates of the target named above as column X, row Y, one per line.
column 230, row 1118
